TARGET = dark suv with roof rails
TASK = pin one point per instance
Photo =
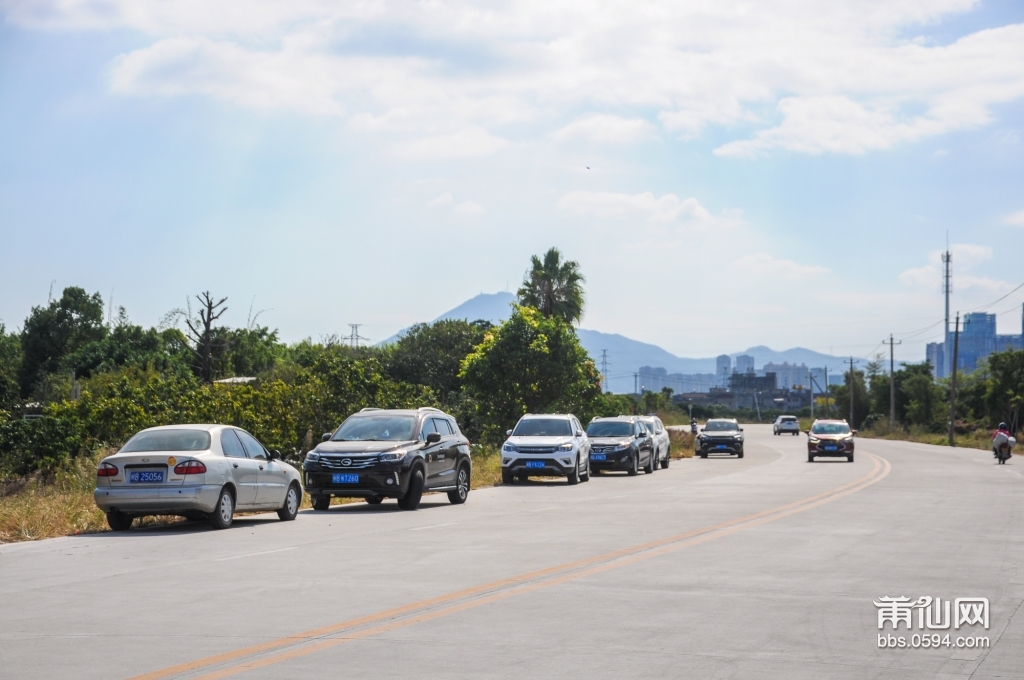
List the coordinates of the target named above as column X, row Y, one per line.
column 390, row 453
column 621, row 443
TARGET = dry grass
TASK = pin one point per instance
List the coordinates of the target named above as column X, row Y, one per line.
column 682, row 443
column 486, row 467
column 979, row 439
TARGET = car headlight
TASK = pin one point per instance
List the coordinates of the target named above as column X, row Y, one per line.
column 391, row 456
column 813, row 440
column 737, row 437
column 622, row 447
column 312, row 456
column 565, row 447
column 509, row 448
column 848, row 440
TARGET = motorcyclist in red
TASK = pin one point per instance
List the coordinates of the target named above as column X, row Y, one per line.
column 1005, row 431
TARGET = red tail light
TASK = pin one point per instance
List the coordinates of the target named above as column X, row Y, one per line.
column 106, row 470
column 189, row 467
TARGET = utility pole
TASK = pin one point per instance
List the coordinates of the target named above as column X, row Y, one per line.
column 892, row 375
column 947, row 288
column 604, row 368
column 828, row 410
column 354, row 338
column 636, row 383
column 952, row 384
column 851, row 390
column 810, row 379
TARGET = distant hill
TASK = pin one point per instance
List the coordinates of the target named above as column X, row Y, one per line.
column 625, row 355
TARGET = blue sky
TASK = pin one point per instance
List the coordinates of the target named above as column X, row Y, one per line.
column 726, row 175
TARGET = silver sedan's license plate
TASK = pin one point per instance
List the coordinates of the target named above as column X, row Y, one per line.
column 345, row 478
column 146, row 477
column 598, row 456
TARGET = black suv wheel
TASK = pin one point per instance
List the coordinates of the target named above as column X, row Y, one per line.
column 459, row 495
column 412, row 497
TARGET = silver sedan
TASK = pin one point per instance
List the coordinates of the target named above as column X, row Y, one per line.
column 198, row 472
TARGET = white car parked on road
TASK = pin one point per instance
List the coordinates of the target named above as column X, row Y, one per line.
column 659, row 435
column 784, row 424
column 198, row 472
column 550, row 445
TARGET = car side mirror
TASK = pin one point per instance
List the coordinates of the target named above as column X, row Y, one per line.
column 741, row 429
column 433, row 438
column 807, row 431
column 508, row 433
column 274, row 454
column 854, row 433
column 326, row 437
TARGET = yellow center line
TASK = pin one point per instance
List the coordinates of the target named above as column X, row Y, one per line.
column 508, row 587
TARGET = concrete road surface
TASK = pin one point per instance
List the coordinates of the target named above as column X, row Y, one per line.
column 766, row 567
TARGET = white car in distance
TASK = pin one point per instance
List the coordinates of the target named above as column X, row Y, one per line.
column 660, row 439
column 786, row 424
column 547, row 445
column 196, row 471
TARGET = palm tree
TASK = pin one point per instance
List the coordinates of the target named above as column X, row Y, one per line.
column 554, row 287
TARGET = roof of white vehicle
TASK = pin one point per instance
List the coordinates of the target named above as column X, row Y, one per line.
column 528, row 416
column 188, row 426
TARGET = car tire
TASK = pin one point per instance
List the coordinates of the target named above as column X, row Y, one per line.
column 740, row 454
column 573, row 478
column 633, row 469
column 507, row 478
column 321, row 503
column 119, row 521
column 586, row 473
column 810, row 457
column 224, row 513
column 412, row 497
column 703, row 454
column 292, row 501
column 652, row 464
column 849, row 459
column 664, row 463
column 375, row 500
column 460, row 493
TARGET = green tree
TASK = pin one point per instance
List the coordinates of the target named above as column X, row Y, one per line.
column 529, row 364
column 10, row 362
column 861, row 400
column 127, row 344
column 554, row 287
column 52, row 332
column 245, row 351
column 432, row 354
column 1005, row 394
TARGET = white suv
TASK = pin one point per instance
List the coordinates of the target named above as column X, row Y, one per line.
column 546, row 445
column 659, row 435
column 786, row 424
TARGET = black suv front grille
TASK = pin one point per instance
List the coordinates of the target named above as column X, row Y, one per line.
column 347, row 462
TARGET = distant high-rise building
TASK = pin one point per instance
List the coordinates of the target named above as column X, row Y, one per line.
column 744, row 364
column 722, row 365
column 978, row 339
column 789, row 376
column 936, row 354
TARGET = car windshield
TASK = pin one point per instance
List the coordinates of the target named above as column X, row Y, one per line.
column 168, row 440
column 543, row 427
column 720, row 426
column 609, row 428
column 376, row 428
column 830, row 428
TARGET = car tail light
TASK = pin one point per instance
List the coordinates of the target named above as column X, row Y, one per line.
column 189, row 467
column 106, row 470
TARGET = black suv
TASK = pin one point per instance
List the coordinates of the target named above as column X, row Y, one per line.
column 720, row 435
column 620, row 443
column 394, row 453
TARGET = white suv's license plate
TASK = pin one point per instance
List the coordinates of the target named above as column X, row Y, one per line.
column 534, row 463
column 345, row 478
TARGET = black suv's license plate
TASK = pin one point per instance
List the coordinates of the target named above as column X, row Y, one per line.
column 344, row 478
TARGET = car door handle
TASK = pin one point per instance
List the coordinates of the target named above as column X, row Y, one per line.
column 234, row 464
column 261, row 467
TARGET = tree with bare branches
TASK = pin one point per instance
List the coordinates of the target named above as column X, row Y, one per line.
column 201, row 334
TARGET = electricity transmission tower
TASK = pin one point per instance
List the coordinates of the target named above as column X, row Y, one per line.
column 354, row 337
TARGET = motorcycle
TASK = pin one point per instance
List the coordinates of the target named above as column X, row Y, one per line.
column 1002, row 447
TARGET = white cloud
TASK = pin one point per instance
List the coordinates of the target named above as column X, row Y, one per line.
column 468, row 209
column 605, row 128
column 794, row 75
column 442, row 201
column 668, row 209
column 965, row 257
column 763, row 264
column 1015, row 219
column 468, row 143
